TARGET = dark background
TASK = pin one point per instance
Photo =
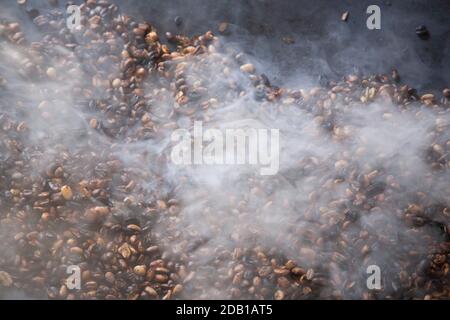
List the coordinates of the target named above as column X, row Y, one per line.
column 324, row 45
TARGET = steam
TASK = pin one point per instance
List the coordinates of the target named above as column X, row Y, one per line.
column 228, row 209
column 231, row 215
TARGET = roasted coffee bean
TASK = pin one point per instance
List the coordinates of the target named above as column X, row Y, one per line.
column 109, row 201
column 178, row 21
column 422, row 32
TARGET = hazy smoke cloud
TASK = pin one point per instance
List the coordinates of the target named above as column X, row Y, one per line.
column 340, row 161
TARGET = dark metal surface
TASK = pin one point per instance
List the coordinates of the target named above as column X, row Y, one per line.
column 323, row 43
